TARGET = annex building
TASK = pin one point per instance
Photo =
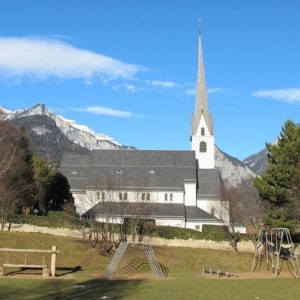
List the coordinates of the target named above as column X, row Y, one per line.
column 174, row 188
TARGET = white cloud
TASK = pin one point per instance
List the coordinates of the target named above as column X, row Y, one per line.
column 39, row 58
column 290, row 95
column 107, row 111
column 191, row 92
column 129, row 87
column 217, row 90
column 161, row 84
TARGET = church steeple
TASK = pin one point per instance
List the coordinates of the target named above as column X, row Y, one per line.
column 202, row 124
column 201, row 104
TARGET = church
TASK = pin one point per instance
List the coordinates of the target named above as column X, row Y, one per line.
column 173, row 188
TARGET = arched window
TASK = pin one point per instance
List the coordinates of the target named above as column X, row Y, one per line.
column 202, row 131
column 203, row 147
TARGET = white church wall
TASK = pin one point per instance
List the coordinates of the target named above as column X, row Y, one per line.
column 219, row 209
column 170, row 222
column 196, row 225
column 82, row 202
column 190, row 193
column 175, row 197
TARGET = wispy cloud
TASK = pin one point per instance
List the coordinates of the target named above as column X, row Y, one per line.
column 161, row 84
column 191, row 91
column 107, row 111
column 39, row 58
column 129, row 87
column 290, row 95
column 216, row 90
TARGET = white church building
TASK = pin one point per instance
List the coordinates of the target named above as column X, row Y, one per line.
column 174, row 188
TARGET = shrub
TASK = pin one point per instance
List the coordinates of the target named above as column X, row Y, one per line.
column 54, row 219
column 209, row 232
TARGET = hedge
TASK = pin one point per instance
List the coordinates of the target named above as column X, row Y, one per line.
column 58, row 219
column 54, row 219
column 209, row 232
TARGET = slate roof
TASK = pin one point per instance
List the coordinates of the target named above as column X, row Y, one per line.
column 194, row 213
column 130, row 168
column 152, row 210
column 209, row 183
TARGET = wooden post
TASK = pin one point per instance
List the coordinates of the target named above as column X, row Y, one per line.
column 53, row 261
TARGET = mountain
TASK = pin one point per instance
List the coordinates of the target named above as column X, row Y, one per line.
column 79, row 134
column 257, row 162
column 233, row 171
column 52, row 134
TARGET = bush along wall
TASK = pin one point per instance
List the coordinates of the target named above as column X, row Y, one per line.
column 54, row 219
column 209, row 232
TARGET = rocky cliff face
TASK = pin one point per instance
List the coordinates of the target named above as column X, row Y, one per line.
column 233, row 171
column 79, row 134
column 257, row 162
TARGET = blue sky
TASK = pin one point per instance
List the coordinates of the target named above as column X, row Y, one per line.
column 128, row 68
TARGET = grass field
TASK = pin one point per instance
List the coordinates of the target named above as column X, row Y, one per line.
column 134, row 278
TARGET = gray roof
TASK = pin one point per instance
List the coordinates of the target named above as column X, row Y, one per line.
column 129, row 168
column 194, row 213
column 150, row 210
column 209, row 183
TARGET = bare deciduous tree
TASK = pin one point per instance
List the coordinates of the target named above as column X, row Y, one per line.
column 16, row 175
column 121, row 211
column 241, row 211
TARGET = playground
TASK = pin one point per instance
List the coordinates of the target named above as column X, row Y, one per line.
column 81, row 272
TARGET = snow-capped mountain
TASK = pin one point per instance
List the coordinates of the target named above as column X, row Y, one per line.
column 52, row 135
column 79, row 134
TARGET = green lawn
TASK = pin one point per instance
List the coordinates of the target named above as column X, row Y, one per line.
column 135, row 281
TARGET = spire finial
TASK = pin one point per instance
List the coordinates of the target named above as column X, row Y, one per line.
column 199, row 25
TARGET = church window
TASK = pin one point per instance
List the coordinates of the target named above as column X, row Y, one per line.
column 143, row 196
column 203, row 147
column 202, row 131
column 166, row 197
column 103, row 196
column 171, row 197
column 148, row 197
column 212, row 211
column 123, row 196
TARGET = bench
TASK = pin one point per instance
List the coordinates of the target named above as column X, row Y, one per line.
column 45, row 270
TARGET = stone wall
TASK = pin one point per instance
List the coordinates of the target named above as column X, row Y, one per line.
column 208, row 244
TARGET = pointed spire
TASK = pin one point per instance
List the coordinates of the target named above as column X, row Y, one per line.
column 201, row 105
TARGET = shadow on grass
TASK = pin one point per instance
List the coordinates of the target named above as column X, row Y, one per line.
column 138, row 265
column 68, row 289
column 60, row 271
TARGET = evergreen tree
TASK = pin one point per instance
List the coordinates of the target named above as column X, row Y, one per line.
column 53, row 187
column 277, row 186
